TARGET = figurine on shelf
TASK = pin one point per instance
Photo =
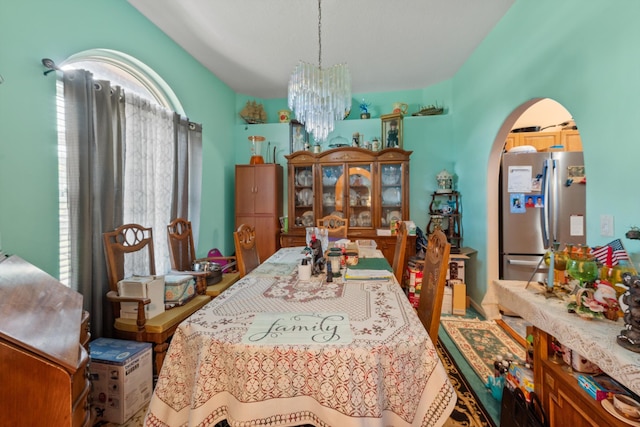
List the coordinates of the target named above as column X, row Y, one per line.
column 392, row 135
column 629, row 338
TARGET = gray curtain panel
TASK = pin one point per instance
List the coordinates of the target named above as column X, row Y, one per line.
column 95, row 146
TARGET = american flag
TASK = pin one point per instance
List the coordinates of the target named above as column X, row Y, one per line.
column 611, row 253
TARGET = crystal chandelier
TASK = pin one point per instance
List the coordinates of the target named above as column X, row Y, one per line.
column 320, row 96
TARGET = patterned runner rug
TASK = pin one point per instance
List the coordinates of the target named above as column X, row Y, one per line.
column 469, row 410
column 480, row 341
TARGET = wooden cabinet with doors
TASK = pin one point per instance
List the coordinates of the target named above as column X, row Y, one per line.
column 564, row 401
column 258, row 195
column 369, row 188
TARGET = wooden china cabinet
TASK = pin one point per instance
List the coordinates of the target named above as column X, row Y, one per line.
column 370, row 188
column 259, row 203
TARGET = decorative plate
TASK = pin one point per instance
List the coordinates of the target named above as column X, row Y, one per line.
column 338, row 213
column 304, row 178
column 390, row 176
column 364, row 219
column 391, row 196
column 608, row 406
column 353, row 197
column 305, row 197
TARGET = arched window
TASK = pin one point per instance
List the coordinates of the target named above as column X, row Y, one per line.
column 146, row 90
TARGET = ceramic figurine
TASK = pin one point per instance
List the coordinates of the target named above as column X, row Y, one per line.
column 629, row 338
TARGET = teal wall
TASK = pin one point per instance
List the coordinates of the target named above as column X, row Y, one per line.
column 32, row 30
column 582, row 54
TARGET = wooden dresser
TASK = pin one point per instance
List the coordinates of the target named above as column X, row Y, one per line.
column 43, row 362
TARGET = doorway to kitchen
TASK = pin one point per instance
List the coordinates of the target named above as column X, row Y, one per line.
column 539, row 125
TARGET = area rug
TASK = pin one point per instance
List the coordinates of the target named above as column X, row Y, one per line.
column 468, row 410
column 480, row 342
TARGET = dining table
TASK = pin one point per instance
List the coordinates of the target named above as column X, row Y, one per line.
column 274, row 350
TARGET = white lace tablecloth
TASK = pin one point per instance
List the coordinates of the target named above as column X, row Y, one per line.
column 593, row 339
column 388, row 375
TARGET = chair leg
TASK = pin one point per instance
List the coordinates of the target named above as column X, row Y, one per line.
column 160, row 351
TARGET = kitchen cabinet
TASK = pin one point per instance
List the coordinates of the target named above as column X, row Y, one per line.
column 570, row 139
column 543, row 141
column 258, row 195
column 565, row 402
column 43, row 349
column 370, row 188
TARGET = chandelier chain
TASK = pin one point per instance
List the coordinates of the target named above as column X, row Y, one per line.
column 320, row 34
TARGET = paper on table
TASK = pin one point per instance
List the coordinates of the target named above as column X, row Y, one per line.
column 352, row 274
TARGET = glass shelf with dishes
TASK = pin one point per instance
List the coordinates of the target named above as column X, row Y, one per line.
column 303, row 190
column 391, row 193
column 332, row 194
column 360, row 190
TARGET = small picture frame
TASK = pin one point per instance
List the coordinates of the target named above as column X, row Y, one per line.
column 298, row 136
column 391, row 130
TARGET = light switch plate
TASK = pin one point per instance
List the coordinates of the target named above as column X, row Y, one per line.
column 606, row 225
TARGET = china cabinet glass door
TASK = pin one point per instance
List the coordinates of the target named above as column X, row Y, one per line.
column 332, row 190
column 359, row 196
column 303, row 203
column 391, row 193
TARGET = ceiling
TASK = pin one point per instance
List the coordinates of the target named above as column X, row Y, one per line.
column 254, row 45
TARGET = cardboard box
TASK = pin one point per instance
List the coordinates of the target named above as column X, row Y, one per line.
column 414, row 287
column 521, row 377
column 142, row 286
column 600, row 386
column 122, row 378
column 447, row 300
column 459, row 305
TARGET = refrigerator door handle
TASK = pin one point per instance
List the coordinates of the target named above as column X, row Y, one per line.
column 524, row 263
column 555, row 203
column 544, row 211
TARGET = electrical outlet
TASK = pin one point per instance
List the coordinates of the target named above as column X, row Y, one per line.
column 606, row 225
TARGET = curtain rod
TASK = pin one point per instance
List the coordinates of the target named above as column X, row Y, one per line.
column 48, row 63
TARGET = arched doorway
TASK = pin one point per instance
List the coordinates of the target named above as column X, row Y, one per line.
column 541, row 115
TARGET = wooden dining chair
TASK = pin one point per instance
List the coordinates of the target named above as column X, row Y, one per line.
column 336, row 225
column 433, row 282
column 135, row 241
column 246, row 250
column 182, row 254
column 400, row 252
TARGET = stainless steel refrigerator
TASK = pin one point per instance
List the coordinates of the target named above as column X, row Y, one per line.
column 542, row 201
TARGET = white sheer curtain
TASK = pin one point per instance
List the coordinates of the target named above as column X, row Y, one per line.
column 148, row 172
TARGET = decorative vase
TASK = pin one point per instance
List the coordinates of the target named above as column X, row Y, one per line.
column 284, row 116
